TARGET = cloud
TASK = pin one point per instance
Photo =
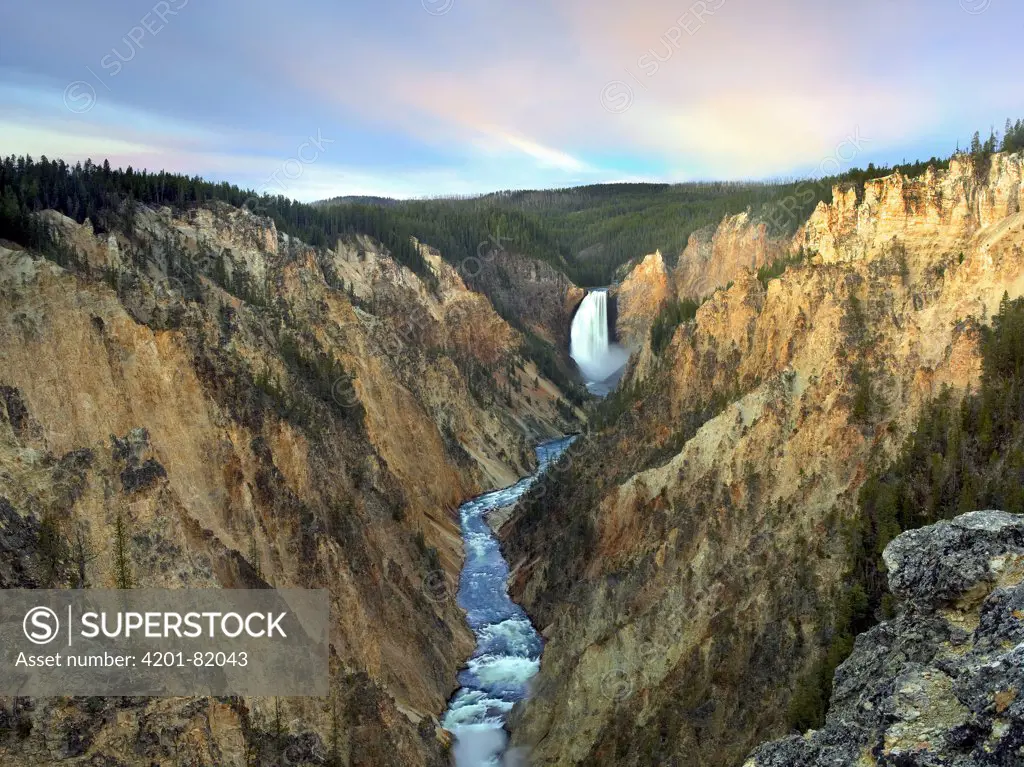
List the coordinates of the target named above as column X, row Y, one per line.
column 510, row 93
column 497, row 141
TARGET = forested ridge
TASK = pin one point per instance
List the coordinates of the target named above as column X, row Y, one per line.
column 100, row 193
column 963, row 455
column 585, row 232
column 107, row 198
column 589, row 232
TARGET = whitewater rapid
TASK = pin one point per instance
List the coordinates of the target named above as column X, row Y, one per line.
column 508, row 647
column 600, row 360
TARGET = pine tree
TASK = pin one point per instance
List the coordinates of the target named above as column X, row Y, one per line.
column 52, row 551
column 122, row 557
column 334, row 758
column 82, row 554
column 991, row 142
column 254, row 556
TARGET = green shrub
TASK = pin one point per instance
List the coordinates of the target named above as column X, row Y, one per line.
column 778, row 267
column 672, row 315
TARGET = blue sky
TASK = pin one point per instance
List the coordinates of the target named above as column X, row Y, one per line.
column 316, row 98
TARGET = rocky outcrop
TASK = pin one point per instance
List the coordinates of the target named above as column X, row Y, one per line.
column 256, row 413
column 941, row 682
column 686, row 564
column 714, row 256
column 929, row 216
column 639, row 299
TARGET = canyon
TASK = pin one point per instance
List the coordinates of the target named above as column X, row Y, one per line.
column 255, row 412
column 687, row 560
column 258, row 412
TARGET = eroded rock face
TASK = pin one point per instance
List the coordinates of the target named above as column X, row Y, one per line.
column 686, row 564
column 258, row 413
column 931, row 215
column 640, row 297
column 941, row 683
column 715, row 256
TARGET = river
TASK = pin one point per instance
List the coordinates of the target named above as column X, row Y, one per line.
column 508, row 647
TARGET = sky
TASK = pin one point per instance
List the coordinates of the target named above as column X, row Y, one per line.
column 410, row 98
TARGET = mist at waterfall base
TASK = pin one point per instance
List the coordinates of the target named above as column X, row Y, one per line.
column 600, row 361
column 508, row 648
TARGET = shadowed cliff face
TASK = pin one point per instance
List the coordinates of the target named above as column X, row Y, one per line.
column 535, row 298
column 257, row 413
column 685, row 562
column 533, row 292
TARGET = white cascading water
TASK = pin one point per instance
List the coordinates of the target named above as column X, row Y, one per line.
column 508, row 647
column 599, row 359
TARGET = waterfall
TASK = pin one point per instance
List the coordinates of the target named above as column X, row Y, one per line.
column 598, row 358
